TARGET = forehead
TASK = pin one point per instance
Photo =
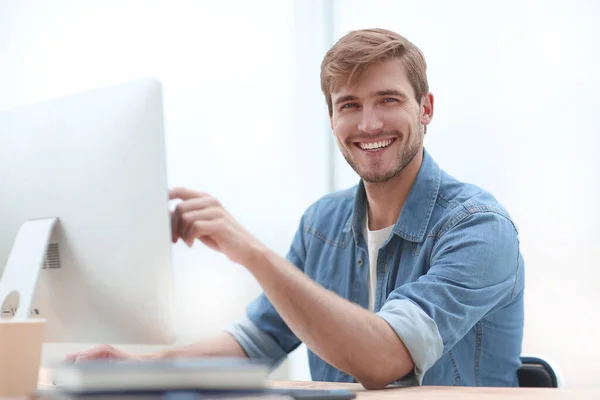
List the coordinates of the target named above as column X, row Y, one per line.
column 386, row 75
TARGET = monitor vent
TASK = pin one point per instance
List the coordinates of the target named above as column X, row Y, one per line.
column 52, row 259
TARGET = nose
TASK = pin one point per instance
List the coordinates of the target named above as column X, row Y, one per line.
column 370, row 121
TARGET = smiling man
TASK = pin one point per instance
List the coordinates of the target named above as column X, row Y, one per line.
column 411, row 277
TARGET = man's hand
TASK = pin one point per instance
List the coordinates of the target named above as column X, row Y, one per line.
column 201, row 216
column 104, row 352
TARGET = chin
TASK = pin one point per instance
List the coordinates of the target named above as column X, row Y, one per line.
column 378, row 178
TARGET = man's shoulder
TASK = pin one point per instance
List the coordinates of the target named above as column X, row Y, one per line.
column 458, row 200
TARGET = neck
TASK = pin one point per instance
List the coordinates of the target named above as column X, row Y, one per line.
column 383, row 212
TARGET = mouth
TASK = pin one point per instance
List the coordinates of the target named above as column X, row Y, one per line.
column 372, row 147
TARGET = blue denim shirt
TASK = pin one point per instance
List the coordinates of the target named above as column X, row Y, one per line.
column 450, row 282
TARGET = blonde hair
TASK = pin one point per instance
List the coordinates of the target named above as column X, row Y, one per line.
column 356, row 51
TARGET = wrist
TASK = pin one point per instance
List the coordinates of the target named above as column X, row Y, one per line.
column 257, row 257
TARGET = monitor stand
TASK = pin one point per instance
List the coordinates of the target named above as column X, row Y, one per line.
column 25, row 262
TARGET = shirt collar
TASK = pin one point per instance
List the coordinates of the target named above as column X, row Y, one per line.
column 415, row 215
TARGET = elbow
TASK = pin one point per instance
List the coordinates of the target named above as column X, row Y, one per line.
column 379, row 378
column 373, row 383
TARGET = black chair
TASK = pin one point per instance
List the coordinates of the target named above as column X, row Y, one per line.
column 536, row 372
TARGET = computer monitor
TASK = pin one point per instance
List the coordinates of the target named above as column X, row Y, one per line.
column 96, row 161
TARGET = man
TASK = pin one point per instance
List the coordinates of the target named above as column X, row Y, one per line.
column 410, row 277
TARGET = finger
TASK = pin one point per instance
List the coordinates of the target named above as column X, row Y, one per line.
column 196, row 203
column 71, row 357
column 205, row 228
column 184, row 193
column 97, row 353
column 188, row 218
column 186, row 206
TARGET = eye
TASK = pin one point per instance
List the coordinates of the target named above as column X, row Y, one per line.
column 390, row 100
column 348, row 105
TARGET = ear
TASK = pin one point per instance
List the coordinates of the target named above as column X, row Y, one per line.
column 427, row 109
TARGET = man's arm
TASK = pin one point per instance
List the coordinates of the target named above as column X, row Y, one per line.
column 219, row 345
column 342, row 333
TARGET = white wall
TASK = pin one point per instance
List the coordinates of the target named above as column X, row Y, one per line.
column 240, row 79
column 516, row 88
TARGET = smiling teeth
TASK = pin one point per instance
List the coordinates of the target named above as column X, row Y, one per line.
column 375, row 145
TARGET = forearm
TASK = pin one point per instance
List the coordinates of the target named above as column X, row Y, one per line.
column 342, row 333
column 219, row 345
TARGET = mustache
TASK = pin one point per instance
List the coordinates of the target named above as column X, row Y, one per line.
column 361, row 137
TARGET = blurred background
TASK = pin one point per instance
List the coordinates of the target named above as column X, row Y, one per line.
column 516, row 88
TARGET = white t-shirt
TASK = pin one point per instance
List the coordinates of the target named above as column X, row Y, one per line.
column 374, row 241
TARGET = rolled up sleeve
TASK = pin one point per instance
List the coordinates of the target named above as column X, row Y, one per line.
column 418, row 332
column 258, row 345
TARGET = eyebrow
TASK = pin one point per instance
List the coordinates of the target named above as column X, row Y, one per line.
column 344, row 99
column 389, row 92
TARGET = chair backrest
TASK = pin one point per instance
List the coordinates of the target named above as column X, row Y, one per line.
column 536, row 372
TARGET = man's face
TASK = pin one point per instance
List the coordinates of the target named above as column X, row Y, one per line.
column 378, row 124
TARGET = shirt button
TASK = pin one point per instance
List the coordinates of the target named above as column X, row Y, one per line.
column 360, row 262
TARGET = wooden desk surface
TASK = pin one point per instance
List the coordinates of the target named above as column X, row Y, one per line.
column 423, row 392
column 439, row 392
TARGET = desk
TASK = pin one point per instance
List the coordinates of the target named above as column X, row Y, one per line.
column 438, row 392
column 424, row 392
